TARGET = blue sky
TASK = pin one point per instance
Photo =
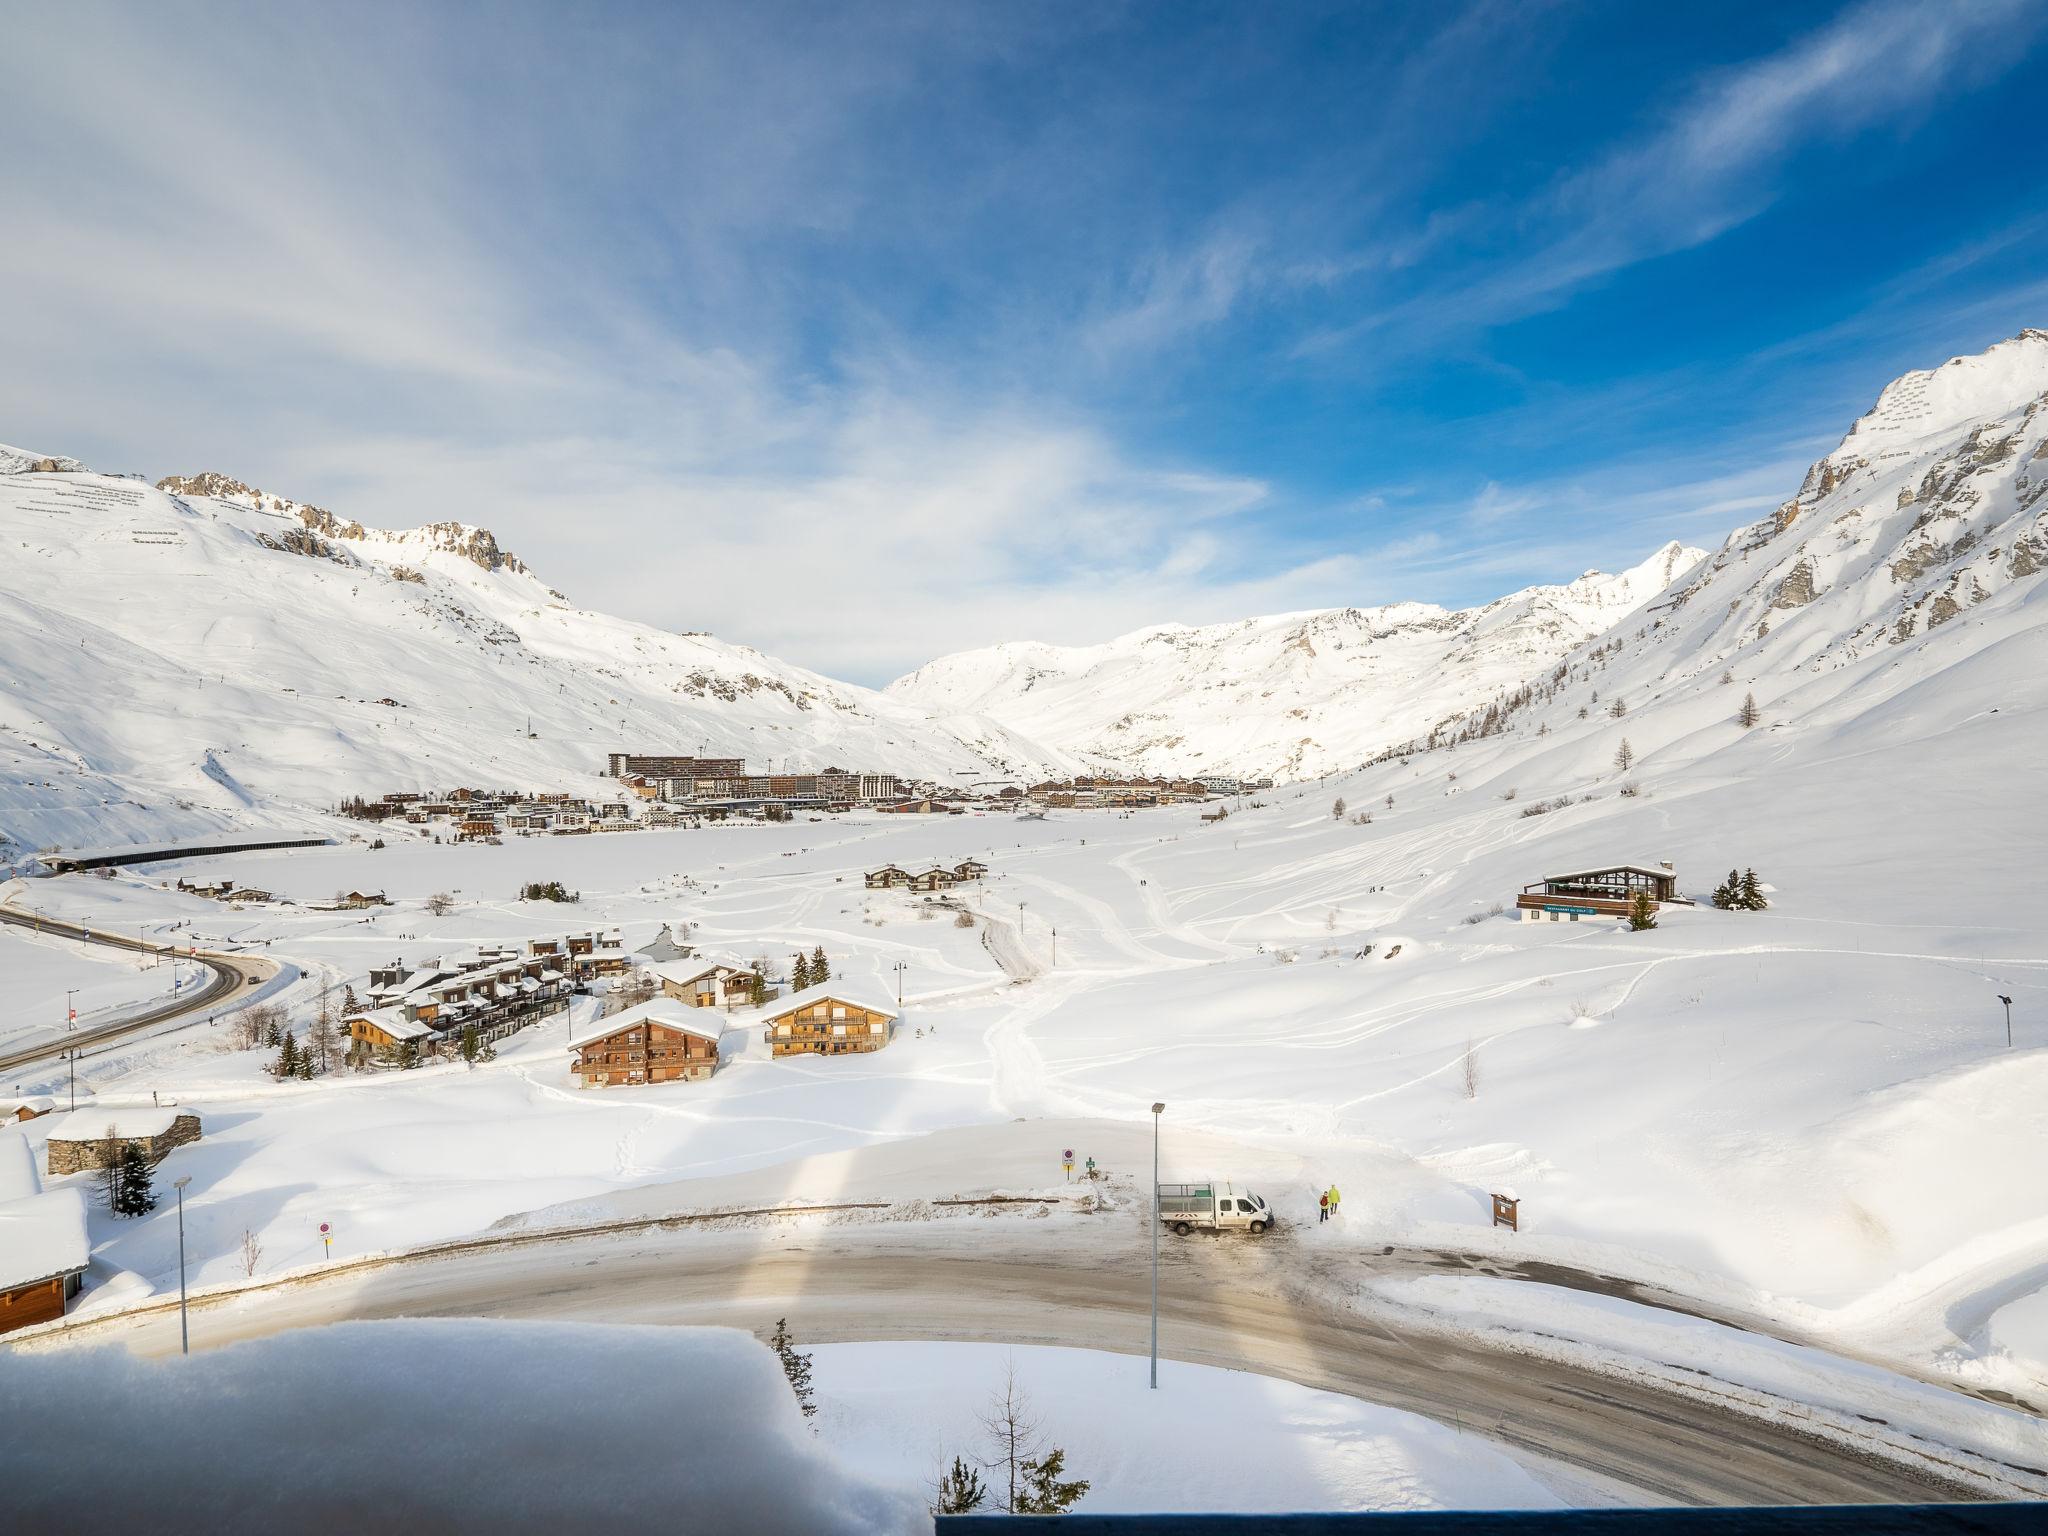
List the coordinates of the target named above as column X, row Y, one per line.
column 866, row 333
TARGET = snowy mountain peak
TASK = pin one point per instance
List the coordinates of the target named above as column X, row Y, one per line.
column 1933, row 402
column 477, row 545
column 1288, row 694
column 22, row 461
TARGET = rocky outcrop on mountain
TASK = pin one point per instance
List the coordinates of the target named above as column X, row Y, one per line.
column 20, row 461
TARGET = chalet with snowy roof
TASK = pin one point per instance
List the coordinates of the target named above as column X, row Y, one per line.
column 703, row 983
column 1595, row 893
column 969, row 869
column 829, row 1019
column 44, row 1246
column 661, row 1041
column 888, row 877
column 934, row 879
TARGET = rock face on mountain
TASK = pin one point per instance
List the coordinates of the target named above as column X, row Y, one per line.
column 201, row 654
column 1911, row 554
column 1292, row 695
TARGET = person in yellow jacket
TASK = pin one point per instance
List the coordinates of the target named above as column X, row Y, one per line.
column 1333, row 1199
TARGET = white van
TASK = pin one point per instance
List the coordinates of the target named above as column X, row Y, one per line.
column 1185, row 1207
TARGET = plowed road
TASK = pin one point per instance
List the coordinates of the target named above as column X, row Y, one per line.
column 1224, row 1302
column 230, row 979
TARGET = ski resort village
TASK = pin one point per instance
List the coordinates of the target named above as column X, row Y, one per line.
column 840, row 770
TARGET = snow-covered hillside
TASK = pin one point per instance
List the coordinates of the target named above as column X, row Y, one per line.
column 1291, row 695
column 201, row 654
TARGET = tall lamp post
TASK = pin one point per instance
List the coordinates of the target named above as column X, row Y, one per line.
column 184, row 1332
column 899, row 968
column 1157, row 1111
column 2008, row 1019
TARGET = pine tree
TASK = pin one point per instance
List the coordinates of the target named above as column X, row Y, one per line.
column 1725, row 892
column 757, row 988
column 800, row 974
column 1642, row 912
column 1337, row 809
column 408, row 1055
column 1749, row 714
column 469, row 1044
column 273, row 1034
column 796, row 1365
column 133, row 1195
column 821, row 968
column 1624, row 756
column 287, row 1063
column 1750, row 896
column 960, row 1491
column 1044, row 1493
column 1617, row 709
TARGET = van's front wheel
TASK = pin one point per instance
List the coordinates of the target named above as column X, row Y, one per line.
column 1257, row 1228
column 1181, row 1229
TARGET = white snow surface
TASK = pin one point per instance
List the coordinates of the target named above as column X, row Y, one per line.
column 445, row 1425
column 1291, row 695
column 1207, row 1441
column 175, row 662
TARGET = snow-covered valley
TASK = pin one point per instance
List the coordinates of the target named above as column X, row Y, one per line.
column 1805, row 1124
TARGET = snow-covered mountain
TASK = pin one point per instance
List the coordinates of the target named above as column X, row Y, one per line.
column 198, row 653
column 1291, row 695
column 1895, row 599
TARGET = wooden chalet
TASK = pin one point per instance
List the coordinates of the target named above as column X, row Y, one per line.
column 661, row 1041
column 703, row 983
column 969, row 869
column 828, row 1020
column 1605, row 892
column 44, row 1251
column 887, row 877
column 934, row 879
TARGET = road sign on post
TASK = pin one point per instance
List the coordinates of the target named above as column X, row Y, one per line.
column 327, row 1238
column 1067, row 1163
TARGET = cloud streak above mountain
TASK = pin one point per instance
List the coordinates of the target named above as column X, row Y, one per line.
column 863, row 335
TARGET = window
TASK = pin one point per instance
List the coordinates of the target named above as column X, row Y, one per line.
column 1245, row 1205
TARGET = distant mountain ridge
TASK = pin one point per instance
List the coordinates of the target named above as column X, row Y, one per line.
column 197, row 655
column 1289, row 695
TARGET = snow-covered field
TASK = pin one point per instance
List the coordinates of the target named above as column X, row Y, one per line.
column 46, row 975
column 1206, row 1440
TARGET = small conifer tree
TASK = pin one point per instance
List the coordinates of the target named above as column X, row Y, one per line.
column 796, row 1365
column 1337, row 809
column 1725, row 892
column 287, row 1063
column 1749, row 714
column 1624, row 756
column 1045, row 1492
column 1750, row 895
column 821, row 968
column 1642, row 912
column 469, row 1044
column 800, row 973
column 960, row 1491
column 132, row 1194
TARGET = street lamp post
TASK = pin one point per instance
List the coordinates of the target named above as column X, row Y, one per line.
column 184, row 1332
column 899, row 968
column 1157, row 1110
column 2008, row 1019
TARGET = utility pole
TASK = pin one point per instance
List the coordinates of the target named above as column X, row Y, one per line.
column 1157, row 1111
column 899, row 968
column 2008, row 1019
column 184, row 1331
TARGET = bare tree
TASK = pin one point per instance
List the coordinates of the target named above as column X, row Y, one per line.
column 320, row 1034
column 1337, row 809
column 1749, row 714
column 1471, row 1070
column 252, row 1252
column 1624, row 756
column 1010, row 1423
column 440, row 903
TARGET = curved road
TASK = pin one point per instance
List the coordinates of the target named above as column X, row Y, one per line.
column 231, row 976
column 1224, row 1303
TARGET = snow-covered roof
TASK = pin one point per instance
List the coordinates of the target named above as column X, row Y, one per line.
column 42, row 1237
column 137, row 1124
column 393, row 1022
column 35, row 1103
column 682, row 972
column 18, row 1178
column 1660, row 871
column 665, row 1011
column 837, row 991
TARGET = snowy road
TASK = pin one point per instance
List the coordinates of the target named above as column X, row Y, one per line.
column 1226, row 1303
column 230, row 979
